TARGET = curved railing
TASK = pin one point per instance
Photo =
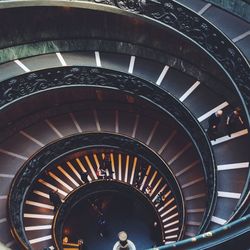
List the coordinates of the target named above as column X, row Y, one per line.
column 87, row 190
column 183, row 20
column 202, row 33
column 40, row 81
column 231, row 231
column 46, row 156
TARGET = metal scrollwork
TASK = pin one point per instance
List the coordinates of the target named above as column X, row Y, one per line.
column 131, row 5
column 135, row 6
column 48, row 155
column 109, row 2
column 33, row 83
column 199, row 30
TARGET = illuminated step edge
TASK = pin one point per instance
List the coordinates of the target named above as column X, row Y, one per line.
column 44, row 238
column 229, row 195
column 189, row 91
column 98, row 59
column 162, row 75
column 131, row 65
column 228, row 138
column 22, row 66
column 2, row 220
column 61, row 59
column 218, row 220
column 39, row 204
column 38, row 216
column 35, row 228
column 233, row 166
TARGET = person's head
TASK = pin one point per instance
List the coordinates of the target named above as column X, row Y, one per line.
column 65, row 239
column 103, row 156
column 237, row 111
column 80, row 242
column 219, row 113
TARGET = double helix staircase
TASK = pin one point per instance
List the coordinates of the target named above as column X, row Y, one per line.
column 31, row 122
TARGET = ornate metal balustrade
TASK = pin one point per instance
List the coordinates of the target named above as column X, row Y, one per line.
column 84, row 192
column 213, row 239
column 34, row 83
column 183, row 20
column 51, row 153
column 186, row 22
column 202, row 32
column 192, row 26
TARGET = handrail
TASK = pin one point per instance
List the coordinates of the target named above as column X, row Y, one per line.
column 178, row 17
column 61, row 148
column 213, row 238
column 236, row 76
column 185, row 22
column 84, row 191
column 96, row 77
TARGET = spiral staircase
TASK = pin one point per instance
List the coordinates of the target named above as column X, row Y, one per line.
column 135, row 80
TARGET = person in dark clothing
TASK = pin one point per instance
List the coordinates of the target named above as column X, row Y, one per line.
column 102, row 225
column 81, row 244
column 55, row 199
column 100, row 173
column 97, row 210
column 143, row 170
column 138, row 180
column 213, row 123
column 106, row 165
column 141, row 173
column 148, row 190
column 159, row 198
column 84, row 177
column 234, row 121
column 156, row 234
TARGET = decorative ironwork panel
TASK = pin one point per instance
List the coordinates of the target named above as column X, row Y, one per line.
column 40, row 81
column 50, row 154
column 212, row 40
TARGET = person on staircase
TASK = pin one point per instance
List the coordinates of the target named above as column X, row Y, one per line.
column 55, row 199
column 148, row 190
column 143, row 170
column 156, row 234
column 107, row 166
column 102, row 225
column 84, row 177
column 100, row 173
column 141, row 173
column 159, row 198
column 234, row 121
column 138, row 180
column 81, row 244
column 213, row 123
